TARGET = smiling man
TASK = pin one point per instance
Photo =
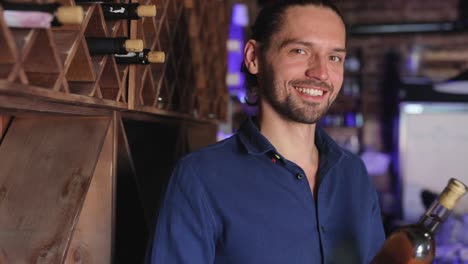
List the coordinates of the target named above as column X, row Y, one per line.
column 280, row 190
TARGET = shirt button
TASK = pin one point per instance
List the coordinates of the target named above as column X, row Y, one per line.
column 322, row 228
column 299, row 176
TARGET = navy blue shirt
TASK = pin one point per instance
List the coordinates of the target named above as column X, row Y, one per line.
column 239, row 201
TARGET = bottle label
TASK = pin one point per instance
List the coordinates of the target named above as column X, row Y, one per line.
column 128, row 55
column 27, row 19
column 120, row 10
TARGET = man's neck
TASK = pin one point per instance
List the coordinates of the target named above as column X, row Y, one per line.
column 295, row 141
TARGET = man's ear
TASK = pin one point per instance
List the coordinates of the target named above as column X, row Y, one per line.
column 251, row 56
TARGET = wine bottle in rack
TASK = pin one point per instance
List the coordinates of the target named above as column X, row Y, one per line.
column 133, row 11
column 121, row 46
column 144, row 57
column 32, row 15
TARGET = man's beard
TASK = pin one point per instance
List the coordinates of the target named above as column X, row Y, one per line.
column 291, row 108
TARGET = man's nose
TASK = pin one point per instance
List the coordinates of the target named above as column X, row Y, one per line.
column 317, row 68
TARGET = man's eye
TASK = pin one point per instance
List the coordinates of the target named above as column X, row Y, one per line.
column 336, row 58
column 299, row 51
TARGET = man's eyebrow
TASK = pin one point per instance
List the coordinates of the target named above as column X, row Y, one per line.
column 339, row 50
column 287, row 42
column 304, row 43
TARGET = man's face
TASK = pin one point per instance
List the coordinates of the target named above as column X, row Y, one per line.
column 301, row 72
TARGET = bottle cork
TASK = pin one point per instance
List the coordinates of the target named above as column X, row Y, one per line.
column 134, row 45
column 146, row 10
column 454, row 190
column 156, row 56
column 70, row 14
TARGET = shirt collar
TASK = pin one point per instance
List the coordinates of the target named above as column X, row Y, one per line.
column 329, row 151
column 256, row 143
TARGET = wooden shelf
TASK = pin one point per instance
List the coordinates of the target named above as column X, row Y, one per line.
column 180, row 85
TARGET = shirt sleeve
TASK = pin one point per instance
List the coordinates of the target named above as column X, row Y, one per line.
column 185, row 230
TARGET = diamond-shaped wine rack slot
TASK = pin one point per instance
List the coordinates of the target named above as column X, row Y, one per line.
column 85, row 69
column 23, row 41
column 109, row 81
column 163, row 34
column 172, row 10
column 65, row 41
column 80, row 73
column 148, row 27
column 149, row 91
column 41, row 61
column 115, row 28
column 123, row 71
column 8, row 53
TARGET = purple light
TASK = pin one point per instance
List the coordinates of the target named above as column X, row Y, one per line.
column 239, row 21
column 240, row 15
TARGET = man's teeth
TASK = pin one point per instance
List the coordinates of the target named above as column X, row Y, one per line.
column 313, row 92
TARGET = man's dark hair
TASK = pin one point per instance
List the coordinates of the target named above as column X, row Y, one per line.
column 268, row 22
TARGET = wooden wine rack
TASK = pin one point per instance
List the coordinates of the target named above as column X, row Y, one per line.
column 87, row 146
column 55, row 63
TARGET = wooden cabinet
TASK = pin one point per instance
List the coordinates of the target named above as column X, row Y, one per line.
column 87, row 145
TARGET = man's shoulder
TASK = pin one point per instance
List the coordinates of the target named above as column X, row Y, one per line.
column 212, row 163
column 214, row 153
column 353, row 157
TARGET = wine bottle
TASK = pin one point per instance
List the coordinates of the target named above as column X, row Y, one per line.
column 102, row 46
column 29, row 15
column 144, row 57
column 415, row 244
column 133, row 11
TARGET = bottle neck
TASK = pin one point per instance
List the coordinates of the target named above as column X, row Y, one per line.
column 434, row 216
